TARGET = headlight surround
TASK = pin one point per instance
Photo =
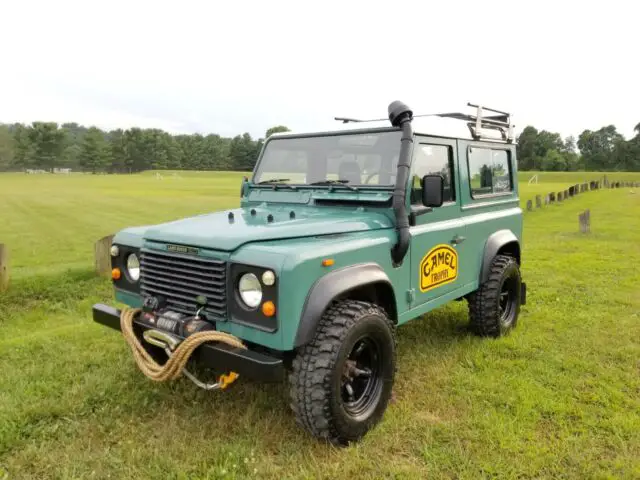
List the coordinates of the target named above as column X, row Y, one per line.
column 250, row 290
column 133, row 267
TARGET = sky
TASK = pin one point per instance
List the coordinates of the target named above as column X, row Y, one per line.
column 232, row 67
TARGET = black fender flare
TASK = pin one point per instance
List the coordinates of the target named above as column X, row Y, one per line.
column 330, row 286
column 502, row 239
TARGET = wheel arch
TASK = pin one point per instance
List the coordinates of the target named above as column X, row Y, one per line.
column 365, row 281
column 502, row 242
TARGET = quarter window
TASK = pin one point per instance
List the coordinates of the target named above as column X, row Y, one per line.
column 489, row 171
column 432, row 160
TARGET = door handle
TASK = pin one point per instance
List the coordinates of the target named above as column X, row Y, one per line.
column 457, row 239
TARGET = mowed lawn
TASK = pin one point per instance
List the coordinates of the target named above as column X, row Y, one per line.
column 560, row 397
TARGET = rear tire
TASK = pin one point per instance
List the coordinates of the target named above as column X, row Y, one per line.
column 495, row 306
column 341, row 382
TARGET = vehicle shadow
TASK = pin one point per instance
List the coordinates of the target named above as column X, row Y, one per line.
column 441, row 329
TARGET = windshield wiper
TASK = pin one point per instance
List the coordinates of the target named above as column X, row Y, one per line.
column 273, row 180
column 342, row 183
column 277, row 182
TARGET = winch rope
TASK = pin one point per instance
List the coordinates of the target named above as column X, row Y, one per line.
column 178, row 359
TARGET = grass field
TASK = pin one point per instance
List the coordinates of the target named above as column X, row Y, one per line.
column 558, row 398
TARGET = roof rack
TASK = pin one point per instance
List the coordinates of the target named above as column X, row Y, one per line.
column 498, row 120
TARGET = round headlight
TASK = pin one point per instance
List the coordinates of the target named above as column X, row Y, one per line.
column 250, row 290
column 268, row 278
column 115, row 251
column 133, row 267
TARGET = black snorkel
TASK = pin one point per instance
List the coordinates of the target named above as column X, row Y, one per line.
column 401, row 115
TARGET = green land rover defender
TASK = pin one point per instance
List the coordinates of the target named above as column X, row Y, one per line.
column 340, row 237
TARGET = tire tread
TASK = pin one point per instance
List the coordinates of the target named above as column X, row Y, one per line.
column 483, row 303
column 309, row 379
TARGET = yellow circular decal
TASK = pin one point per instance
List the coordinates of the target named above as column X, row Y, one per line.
column 438, row 267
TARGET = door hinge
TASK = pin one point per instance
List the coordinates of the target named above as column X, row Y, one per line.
column 411, row 295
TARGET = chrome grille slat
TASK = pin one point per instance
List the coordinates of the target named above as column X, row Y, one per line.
column 181, row 278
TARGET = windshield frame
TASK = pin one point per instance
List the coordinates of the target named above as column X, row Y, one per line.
column 329, row 133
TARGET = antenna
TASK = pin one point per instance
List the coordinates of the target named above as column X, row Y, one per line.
column 498, row 120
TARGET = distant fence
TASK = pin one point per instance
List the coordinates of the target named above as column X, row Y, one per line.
column 573, row 190
column 584, row 218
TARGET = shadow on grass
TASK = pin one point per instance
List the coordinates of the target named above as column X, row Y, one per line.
column 441, row 328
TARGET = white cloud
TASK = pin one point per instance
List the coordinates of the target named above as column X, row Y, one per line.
column 230, row 67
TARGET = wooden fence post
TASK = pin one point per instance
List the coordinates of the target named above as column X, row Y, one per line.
column 547, row 199
column 103, row 256
column 552, row 197
column 4, row 267
column 584, row 220
column 529, row 205
column 538, row 201
column 559, row 197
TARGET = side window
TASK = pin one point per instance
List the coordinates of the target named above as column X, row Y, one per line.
column 432, row 159
column 489, row 171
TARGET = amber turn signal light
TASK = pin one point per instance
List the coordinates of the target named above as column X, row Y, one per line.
column 116, row 274
column 327, row 262
column 268, row 309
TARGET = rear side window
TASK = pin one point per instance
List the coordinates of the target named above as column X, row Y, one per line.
column 489, row 171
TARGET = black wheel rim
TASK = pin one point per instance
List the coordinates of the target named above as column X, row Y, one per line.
column 507, row 302
column 361, row 384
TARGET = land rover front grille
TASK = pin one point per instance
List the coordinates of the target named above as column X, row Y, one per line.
column 180, row 279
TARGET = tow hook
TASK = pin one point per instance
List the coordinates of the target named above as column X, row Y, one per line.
column 169, row 343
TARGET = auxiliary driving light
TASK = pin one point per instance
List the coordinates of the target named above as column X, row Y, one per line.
column 268, row 278
column 115, row 251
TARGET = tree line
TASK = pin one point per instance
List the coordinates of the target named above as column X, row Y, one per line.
column 47, row 146
column 601, row 150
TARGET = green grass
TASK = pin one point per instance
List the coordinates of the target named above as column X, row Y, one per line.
column 559, row 398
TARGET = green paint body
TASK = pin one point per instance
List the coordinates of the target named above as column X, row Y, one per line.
column 292, row 231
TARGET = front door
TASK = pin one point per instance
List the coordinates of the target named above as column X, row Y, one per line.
column 437, row 238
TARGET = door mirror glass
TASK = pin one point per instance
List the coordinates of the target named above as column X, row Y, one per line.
column 432, row 190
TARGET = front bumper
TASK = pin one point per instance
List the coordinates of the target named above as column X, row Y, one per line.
column 246, row 363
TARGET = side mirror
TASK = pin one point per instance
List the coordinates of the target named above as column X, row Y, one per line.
column 432, row 190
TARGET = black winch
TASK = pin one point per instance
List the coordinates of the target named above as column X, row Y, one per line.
column 183, row 325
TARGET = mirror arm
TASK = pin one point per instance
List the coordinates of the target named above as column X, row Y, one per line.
column 416, row 211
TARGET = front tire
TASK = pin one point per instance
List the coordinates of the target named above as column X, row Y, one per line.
column 341, row 382
column 494, row 308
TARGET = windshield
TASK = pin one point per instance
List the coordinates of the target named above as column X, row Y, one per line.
column 354, row 159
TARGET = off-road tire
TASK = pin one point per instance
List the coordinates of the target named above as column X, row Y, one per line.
column 485, row 313
column 315, row 381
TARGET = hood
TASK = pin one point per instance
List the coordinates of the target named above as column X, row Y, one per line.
column 229, row 229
